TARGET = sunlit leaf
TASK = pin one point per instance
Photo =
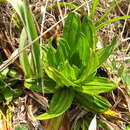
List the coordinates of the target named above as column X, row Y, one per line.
column 88, row 28
column 96, row 86
column 93, row 102
column 105, row 52
column 60, row 102
column 70, row 72
column 111, row 21
column 22, row 127
column 23, row 56
column 112, row 6
column 10, row 94
column 49, row 85
column 72, row 30
column 83, row 49
column 22, row 8
column 58, row 77
column 63, row 51
column 127, row 127
column 94, row 7
column 90, row 68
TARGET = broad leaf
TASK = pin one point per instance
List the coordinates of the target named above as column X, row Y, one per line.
column 10, row 93
column 50, row 58
column 70, row 72
column 93, row 102
column 49, row 85
column 72, row 30
column 63, row 51
column 60, row 102
column 75, row 59
column 58, row 77
column 96, row 86
column 90, row 68
column 56, row 56
column 105, row 52
column 89, row 30
column 83, row 49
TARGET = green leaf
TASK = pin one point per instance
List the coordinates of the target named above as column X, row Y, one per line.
column 96, row 86
column 63, row 51
column 23, row 56
column 113, row 5
column 105, row 52
column 22, row 8
column 21, row 127
column 32, row 35
column 126, row 78
column 17, row 22
column 10, row 93
column 60, row 102
column 55, row 123
column 111, row 21
column 103, row 125
column 72, row 30
column 88, row 28
column 94, row 103
column 94, row 7
column 70, row 72
column 49, row 85
column 3, row 0
column 90, row 68
column 13, row 73
column 83, row 49
column 127, row 127
column 75, row 59
column 4, row 73
column 50, row 58
column 18, row 6
column 58, row 77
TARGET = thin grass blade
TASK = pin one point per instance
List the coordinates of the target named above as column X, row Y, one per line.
column 114, row 4
column 32, row 34
column 23, row 56
column 94, row 7
column 111, row 21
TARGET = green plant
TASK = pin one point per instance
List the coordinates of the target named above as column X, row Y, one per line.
column 70, row 67
column 8, row 79
column 30, row 61
column 21, row 127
